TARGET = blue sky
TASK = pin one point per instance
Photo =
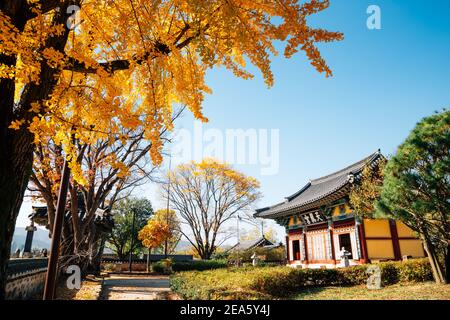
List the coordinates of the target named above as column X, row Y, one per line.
column 384, row 82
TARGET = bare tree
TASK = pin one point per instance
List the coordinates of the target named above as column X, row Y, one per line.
column 113, row 167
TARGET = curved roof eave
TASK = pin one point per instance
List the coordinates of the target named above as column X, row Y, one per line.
column 343, row 174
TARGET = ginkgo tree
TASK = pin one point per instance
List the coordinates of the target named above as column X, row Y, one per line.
column 154, row 233
column 172, row 239
column 207, row 195
column 123, row 64
column 112, row 168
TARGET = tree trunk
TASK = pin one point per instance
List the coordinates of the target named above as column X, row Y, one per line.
column 121, row 255
column 16, row 146
column 148, row 259
column 447, row 264
column 434, row 260
column 15, row 169
column 206, row 255
column 97, row 259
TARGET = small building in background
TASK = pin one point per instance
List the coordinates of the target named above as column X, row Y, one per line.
column 320, row 224
column 245, row 245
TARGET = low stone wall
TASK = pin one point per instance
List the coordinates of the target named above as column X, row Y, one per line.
column 26, row 278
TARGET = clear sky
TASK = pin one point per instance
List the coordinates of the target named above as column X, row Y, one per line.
column 384, row 82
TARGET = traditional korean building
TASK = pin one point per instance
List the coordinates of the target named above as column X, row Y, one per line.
column 320, row 221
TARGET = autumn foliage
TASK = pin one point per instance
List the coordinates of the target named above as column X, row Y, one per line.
column 155, row 232
column 129, row 62
column 83, row 72
column 366, row 192
column 206, row 195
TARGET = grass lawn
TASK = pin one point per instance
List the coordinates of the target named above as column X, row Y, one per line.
column 409, row 280
column 413, row 291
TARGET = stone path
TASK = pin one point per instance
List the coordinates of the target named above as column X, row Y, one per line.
column 136, row 287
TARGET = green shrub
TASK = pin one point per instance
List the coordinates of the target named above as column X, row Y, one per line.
column 352, row 276
column 417, row 270
column 163, row 267
column 167, row 263
column 157, row 267
column 198, row 265
column 167, row 266
column 285, row 283
column 220, row 255
column 389, row 273
column 280, row 282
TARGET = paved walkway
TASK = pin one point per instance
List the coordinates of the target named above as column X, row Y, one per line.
column 136, row 287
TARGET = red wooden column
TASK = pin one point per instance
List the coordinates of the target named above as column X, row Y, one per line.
column 305, row 243
column 395, row 240
column 363, row 242
column 331, row 231
column 287, row 250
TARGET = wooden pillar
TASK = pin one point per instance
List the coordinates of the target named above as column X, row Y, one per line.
column 330, row 231
column 305, row 242
column 395, row 240
column 363, row 241
column 358, row 238
column 287, row 249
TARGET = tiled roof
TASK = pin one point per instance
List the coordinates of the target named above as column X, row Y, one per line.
column 318, row 189
column 250, row 244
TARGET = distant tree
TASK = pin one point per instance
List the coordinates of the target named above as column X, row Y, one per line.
column 154, row 234
column 255, row 233
column 170, row 218
column 111, row 167
column 206, row 195
column 192, row 251
column 266, row 254
column 416, row 188
column 120, row 239
column 220, row 254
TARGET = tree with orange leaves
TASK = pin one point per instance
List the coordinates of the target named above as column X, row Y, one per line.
column 89, row 68
column 206, row 195
column 173, row 238
column 153, row 235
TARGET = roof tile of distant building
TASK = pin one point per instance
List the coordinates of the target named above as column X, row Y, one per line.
column 251, row 244
column 317, row 189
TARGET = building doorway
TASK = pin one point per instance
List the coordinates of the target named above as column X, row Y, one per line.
column 296, row 249
column 345, row 241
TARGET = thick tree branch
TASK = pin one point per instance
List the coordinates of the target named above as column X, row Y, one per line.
column 117, row 65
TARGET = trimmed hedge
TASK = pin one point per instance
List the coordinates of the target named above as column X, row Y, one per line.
column 199, row 265
column 164, row 267
column 287, row 282
column 281, row 282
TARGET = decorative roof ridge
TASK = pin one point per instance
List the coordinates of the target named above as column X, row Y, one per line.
column 306, row 186
column 260, row 210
